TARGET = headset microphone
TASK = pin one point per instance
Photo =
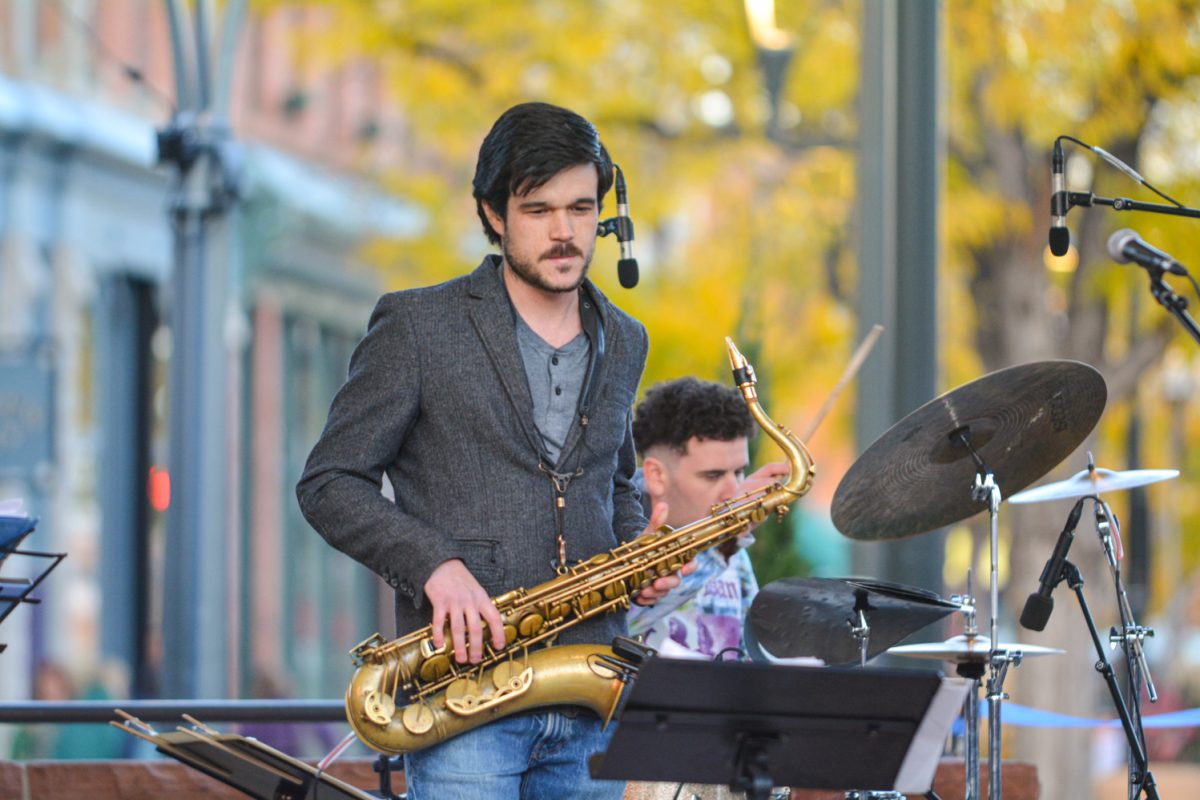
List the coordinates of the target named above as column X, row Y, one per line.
column 622, row 226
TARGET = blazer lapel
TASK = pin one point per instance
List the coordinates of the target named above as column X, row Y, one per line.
column 600, row 367
column 491, row 314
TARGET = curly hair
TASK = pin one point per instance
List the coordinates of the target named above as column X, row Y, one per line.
column 527, row 146
column 673, row 412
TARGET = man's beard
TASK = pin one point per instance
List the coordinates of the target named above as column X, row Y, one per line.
column 526, row 272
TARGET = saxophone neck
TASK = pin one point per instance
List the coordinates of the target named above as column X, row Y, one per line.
column 802, row 470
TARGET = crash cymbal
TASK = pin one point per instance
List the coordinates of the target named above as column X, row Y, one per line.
column 1093, row 481
column 963, row 649
column 917, row 476
column 794, row 617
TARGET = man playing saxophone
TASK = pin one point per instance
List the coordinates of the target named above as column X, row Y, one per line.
column 498, row 404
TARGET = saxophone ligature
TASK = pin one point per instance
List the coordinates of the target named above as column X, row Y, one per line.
column 407, row 694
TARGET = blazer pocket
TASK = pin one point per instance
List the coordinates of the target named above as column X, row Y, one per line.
column 609, row 421
column 482, row 557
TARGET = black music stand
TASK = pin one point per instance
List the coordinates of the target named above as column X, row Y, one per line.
column 246, row 764
column 754, row 726
column 14, row 591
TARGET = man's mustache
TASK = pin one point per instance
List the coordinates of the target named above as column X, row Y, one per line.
column 564, row 250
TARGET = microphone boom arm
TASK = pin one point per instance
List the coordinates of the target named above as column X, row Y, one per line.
column 1089, row 199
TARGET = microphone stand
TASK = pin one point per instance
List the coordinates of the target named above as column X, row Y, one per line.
column 1163, row 293
column 1144, row 778
column 1131, row 635
column 1168, row 299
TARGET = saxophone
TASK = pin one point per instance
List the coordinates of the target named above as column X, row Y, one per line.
column 442, row 699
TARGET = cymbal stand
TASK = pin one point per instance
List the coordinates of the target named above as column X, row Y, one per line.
column 1130, row 636
column 985, row 489
column 859, row 627
column 1000, row 661
column 972, row 671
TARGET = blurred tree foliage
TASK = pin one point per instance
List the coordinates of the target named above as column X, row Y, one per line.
column 1121, row 75
column 741, row 233
column 749, row 235
column 736, row 234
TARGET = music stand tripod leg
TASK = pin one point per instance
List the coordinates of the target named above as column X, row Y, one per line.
column 754, row 777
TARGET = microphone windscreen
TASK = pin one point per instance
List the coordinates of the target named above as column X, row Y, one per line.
column 1116, row 244
column 627, row 272
column 1037, row 611
column 1060, row 241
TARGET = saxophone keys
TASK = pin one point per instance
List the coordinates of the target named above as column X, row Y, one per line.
column 531, row 623
column 758, row 514
column 429, row 649
column 507, row 675
column 417, row 719
column 463, row 694
column 379, row 708
column 589, row 600
column 434, row 668
column 614, row 590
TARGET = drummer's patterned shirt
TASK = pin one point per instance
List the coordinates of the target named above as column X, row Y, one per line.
column 706, row 612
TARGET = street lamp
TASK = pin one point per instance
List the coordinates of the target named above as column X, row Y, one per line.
column 774, row 48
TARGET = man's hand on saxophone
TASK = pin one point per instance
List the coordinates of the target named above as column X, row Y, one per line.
column 458, row 599
column 456, row 596
column 660, row 587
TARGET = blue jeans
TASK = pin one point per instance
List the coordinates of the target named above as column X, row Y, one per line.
column 534, row 756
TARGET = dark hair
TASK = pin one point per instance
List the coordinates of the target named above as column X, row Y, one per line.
column 529, row 145
column 672, row 413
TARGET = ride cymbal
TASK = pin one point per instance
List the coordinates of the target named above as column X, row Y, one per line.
column 1095, row 480
column 963, row 649
column 1021, row 421
column 794, row 617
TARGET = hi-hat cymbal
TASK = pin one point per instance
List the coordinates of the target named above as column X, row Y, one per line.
column 1022, row 421
column 794, row 617
column 963, row 649
column 1093, row 481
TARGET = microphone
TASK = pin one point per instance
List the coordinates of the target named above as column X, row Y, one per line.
column 1060, row 236
column 627, row 266
column 1040, row 604
column 1125, row 246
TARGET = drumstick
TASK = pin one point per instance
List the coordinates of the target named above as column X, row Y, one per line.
column 856, row 361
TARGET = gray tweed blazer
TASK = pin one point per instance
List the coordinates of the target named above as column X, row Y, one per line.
column 438, row 400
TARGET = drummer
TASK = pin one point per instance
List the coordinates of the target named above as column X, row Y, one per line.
column 692, row 437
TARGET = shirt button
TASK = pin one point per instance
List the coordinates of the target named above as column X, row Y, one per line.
column 558, row 390
column 554, row 361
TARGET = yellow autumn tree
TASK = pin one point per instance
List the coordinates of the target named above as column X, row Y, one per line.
column 741, row 233
column 737, row 234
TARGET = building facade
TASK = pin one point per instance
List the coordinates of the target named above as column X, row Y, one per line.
column 86, row 343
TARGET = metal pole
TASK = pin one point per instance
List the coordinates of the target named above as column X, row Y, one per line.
column 171, row 710
column 898, row 198
column 198, row 143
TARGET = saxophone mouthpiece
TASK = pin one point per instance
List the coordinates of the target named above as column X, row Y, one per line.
column 743, row 373
column 736, row 359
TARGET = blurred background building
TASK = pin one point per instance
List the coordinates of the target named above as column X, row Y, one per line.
column 85, row 267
